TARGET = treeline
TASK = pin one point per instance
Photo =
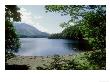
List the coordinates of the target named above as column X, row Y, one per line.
column 68, row 33
column 56, row 36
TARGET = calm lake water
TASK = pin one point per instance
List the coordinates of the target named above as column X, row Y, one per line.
column 47, row 47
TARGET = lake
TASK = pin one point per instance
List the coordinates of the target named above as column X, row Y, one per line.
column 47, row 47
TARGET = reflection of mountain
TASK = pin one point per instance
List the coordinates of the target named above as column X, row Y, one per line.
column 25, row 30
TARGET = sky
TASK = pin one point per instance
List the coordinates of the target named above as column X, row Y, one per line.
column 36, row 16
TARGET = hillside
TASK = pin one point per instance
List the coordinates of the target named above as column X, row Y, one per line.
column 27, row 31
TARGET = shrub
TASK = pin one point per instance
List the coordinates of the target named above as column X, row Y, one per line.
column 9, row 56
column 94, row 60
column 56, row 64
column 98, row 58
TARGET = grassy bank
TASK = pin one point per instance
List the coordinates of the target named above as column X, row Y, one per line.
column 91, row 60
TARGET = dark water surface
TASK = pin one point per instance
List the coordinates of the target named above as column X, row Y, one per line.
column 45, row 46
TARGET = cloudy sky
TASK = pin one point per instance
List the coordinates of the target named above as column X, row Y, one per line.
column 46, row 22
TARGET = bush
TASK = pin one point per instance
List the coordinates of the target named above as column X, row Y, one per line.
column 94, row 60
column 80, row 62
column 91, row 60
column 9, row 56
column 98, row 58
column 56, row 64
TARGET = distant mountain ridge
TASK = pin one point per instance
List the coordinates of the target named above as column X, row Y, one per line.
column 27, row 31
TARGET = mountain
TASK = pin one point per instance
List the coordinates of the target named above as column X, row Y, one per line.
column 24, row 31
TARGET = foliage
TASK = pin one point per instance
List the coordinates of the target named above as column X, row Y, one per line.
column 56, row 64
column 11, row 38
column 98, row 58
column 72, row 32
column 80, row 62
column 76, row 12
column 12, row 13
column 90, row 24
column 91, row 60
column 93, row 28
column 12, row 43
column 90, row 21
column 56, row 36
column 72, row 10
column 8, row 56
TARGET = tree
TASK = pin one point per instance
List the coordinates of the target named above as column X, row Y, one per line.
column 56, row 36
column 93, row 28
column 12, row 42
column 91, row 22
column 75, row 11
column 72, row 32
column 89, row 19
column 12, row 13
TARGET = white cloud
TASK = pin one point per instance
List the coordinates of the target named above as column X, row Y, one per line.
column 29, row 18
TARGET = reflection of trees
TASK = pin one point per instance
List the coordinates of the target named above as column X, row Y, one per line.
column 78, row 45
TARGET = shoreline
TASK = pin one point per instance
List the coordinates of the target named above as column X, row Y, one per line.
column 82, row 61
column 36, row 61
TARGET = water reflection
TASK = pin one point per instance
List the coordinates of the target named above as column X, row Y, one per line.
column 44, row 47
